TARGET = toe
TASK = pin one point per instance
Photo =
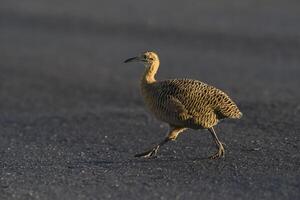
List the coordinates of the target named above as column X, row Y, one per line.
column 148, row 154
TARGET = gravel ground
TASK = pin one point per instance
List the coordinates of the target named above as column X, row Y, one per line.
column 72, row 117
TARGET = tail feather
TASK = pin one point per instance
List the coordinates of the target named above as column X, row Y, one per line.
column 237, row 115
column 229, row 111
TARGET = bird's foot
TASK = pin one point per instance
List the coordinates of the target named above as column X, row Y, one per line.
column 148, row 154
column 219, row 154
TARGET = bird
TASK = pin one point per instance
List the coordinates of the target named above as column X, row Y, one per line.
column 183, row 104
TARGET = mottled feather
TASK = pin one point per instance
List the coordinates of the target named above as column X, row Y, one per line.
column 189, row 103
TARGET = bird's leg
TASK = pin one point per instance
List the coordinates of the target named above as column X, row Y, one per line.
column 172, row 135
column 221, row 150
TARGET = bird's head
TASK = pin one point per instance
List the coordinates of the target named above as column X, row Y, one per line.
column 147, row 58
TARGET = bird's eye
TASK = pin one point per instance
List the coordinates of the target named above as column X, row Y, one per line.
column 145, row 57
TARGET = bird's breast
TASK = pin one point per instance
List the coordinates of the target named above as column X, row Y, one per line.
column 151, row 98
column 157, row 103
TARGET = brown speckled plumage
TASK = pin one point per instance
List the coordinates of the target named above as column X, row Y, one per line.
column 188, row 103
column 183, row 103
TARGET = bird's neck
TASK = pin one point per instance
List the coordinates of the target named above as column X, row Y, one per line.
column 150, row 71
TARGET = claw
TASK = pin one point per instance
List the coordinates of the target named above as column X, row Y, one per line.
column 219, row 154
column 148, row 154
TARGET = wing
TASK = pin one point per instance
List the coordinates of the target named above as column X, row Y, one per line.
column 200, row 100
column 175, row 105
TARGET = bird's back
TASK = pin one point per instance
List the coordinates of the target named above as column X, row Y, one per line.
column 188, row 103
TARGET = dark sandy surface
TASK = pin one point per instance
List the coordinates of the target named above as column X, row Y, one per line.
column 72, row 117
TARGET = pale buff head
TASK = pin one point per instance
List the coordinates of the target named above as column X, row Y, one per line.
column 151, row 61
column 148, row 58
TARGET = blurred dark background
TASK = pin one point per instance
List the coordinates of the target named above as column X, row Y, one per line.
column 71, row 116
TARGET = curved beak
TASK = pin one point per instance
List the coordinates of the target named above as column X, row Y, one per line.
column 134, row 59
